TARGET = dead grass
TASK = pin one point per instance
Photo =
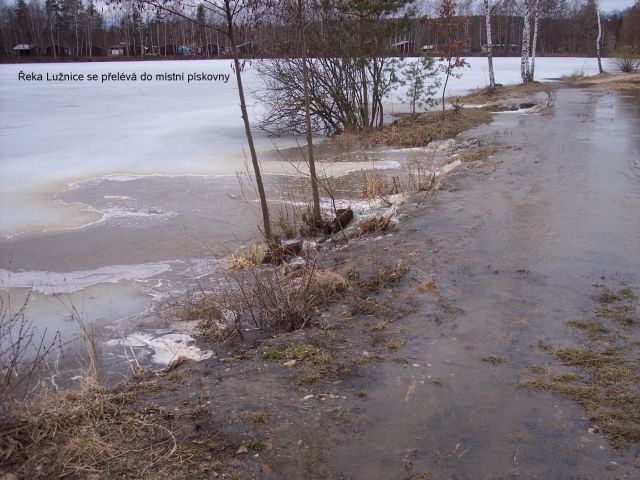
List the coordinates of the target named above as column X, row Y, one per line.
column 77, row 433
column 419, row 130
column 245, row 258
column 373, row 225
column 494, row 360
column 593, row 328
column 486, row 95
column 383, row 277
column 474, row 154
column 603, row 378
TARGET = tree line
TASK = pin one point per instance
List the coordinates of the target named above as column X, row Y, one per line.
column 84, row 28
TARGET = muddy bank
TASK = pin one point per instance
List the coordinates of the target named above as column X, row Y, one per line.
column 422, row 375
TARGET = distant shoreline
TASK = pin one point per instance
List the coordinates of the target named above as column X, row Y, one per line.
column 155, row 58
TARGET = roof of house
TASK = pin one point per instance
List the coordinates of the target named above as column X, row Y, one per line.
column 23, row 46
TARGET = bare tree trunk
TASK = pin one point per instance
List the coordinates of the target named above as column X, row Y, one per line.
column 487, row 14
column 533, row 46
column 363, row 80
column 524, row 53
column 53, row 43
column 599, row 39
column 317, row 215
column 247, row 127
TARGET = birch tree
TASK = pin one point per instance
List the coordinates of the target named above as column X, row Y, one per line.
column 599, row 37
column 487, row 19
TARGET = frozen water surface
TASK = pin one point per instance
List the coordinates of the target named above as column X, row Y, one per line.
column 104, row 184
column 52, row 133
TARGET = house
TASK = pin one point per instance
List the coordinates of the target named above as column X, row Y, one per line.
column 405, row 47
column 24, row 49
column 428, row 48
column 116, row 50
column 57, row 51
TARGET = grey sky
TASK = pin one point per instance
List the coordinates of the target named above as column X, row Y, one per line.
column 608, row 5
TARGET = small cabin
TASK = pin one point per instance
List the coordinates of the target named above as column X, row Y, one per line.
column 24, row 49
column 118, row 50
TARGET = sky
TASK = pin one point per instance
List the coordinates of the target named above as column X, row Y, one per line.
column 608, row 5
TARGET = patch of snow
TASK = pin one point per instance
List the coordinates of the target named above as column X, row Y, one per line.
column 165, row 348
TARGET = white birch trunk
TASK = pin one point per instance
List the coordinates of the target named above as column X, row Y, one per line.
column 524, row 52
column 599, row 39
column 487, row 14
column 533, row 46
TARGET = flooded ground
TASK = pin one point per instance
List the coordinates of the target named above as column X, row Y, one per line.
column 422, row 376
column 515, row 249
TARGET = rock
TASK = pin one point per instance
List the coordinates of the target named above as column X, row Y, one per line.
column 242, row 449
column 289, row 363
column 307, row 397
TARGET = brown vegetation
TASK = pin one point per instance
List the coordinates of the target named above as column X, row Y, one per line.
column 419, row 130
column 604, row 371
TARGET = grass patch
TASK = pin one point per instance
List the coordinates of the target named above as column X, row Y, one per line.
column 308, row 380
column 419, row 130
column 494, row 360
column 361, row 394
column 307, row 353
column 67, row 434
column 394, row 345
column 427, row 286
column 592, row 328
column 259, row 417
column 272, row 354
column 256, row 445
column 500, row 92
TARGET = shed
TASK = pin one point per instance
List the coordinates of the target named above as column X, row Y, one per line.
column 24, row 49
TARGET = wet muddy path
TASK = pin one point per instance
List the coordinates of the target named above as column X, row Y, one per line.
column 515, row 249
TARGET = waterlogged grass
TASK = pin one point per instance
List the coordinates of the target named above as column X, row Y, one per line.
column 494, row 360
column 602, row 376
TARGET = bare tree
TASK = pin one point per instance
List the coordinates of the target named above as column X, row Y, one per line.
column 487, row 16
column 232, row 13
column 599, row 38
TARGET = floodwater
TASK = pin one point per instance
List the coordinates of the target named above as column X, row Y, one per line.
column 515, row 252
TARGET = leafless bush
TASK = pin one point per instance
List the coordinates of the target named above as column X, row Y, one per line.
column 268, row 298
column 23, row 351
column 626, row 62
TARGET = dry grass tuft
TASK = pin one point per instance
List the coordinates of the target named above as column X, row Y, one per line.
column 604, row 380
column 486, row 95
column 373, row 225
column 74, row 433
column 245, row 258
column 384, row 277
column 494, row 360
column 473, row 154
column 427, row 286
column 420, row 130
